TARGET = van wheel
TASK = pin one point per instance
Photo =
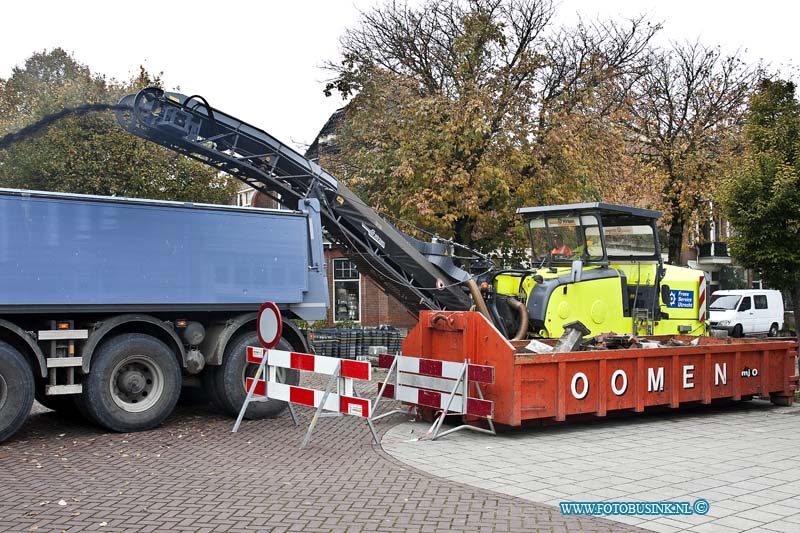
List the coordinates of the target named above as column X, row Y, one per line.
column 16, row 390
column 773, row 330
column 229, row 379
column 134, row 383
column 738, row 332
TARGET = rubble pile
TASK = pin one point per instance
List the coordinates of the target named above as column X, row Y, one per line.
column 573, row 340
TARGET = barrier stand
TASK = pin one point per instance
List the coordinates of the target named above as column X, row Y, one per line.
column 257, row 383
column 344, row 400
column 269, row 328
column 381, row 395
column 319, row 413
column 423, row 382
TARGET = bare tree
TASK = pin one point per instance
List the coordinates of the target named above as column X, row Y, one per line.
column 516, row 53
column 683, row 114
column 463, row 107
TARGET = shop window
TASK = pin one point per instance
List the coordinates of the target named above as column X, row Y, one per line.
column 346, row 291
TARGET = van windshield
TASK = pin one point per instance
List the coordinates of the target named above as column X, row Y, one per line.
column 724, row 302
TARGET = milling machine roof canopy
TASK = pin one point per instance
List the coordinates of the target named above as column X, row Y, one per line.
column 621, row 233
column 595, row 207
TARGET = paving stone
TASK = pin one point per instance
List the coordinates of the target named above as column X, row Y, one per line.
column 668, row 521
column 725, row 454
column 718, row 511
column 737, row 522
column 734, row 491
column 654, row 525
column 714, row 527
column 794, row 519
column 759, row 515
column 757, row 498
column 735, row 505
column 193, row 474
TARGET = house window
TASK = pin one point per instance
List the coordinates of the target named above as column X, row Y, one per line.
column 245, row 198
column 346, row 291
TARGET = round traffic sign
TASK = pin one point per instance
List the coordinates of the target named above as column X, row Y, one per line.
column 269, row 325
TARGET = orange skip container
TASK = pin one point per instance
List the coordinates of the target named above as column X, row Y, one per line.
column 553, row 386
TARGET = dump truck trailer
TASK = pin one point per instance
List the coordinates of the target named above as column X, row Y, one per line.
column 108, row 305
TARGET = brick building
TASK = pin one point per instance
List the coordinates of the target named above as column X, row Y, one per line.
column 358, row 298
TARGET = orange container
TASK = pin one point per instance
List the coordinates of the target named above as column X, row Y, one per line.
column 533, row 386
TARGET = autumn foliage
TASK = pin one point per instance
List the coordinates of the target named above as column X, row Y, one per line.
column 464, row 111
column 91, row 154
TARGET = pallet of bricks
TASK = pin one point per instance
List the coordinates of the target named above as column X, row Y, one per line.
column 352, row 343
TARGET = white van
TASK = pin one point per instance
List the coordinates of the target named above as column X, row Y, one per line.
column 747, row 312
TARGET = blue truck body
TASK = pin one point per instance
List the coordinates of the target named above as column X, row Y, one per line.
column 110, row 306
column 79, row 253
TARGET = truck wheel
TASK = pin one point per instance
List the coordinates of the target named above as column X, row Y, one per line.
column 738, row 332
column 773, row 330
column 209, row 381
column 16, row 390
column 229, row 379
column 134, row 383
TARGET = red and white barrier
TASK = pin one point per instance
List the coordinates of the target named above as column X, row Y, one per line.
column 443, row 385
column 311, row 363
column 265, row 385
column 428, row 382
column 342, row 401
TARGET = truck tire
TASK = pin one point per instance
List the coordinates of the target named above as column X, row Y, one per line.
column 16, row 390
column 228, row 380
column 738, row 332
column 773, row 330
column 209, row 381
column 134, row 383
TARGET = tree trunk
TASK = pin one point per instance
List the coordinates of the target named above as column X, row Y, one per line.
column 675, row 239
column 462, row 230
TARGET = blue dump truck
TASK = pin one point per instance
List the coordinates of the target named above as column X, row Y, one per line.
column 114, row 303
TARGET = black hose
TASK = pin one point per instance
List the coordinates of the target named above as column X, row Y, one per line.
column 209, row 109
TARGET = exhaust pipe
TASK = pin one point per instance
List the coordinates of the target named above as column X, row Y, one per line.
column 522, row 310
column 477, row 297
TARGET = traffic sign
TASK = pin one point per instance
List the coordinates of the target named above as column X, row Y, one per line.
column 269, row 325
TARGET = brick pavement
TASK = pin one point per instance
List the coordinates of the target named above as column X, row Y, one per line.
column 192, row 474
column 743, row 458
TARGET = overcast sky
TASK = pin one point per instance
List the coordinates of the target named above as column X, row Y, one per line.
column 261, row 61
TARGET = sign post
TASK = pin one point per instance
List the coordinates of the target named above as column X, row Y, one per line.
column 265, row 385
column 269, row 327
